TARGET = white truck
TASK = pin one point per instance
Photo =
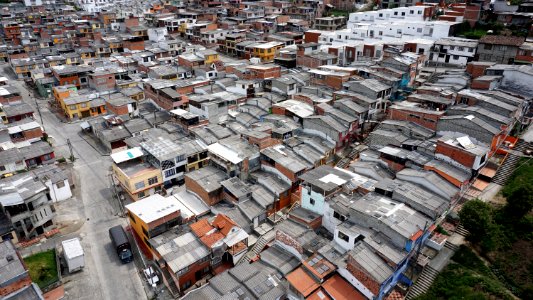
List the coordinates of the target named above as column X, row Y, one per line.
column 73, row 254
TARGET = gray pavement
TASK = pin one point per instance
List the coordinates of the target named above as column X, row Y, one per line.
column 104, row 276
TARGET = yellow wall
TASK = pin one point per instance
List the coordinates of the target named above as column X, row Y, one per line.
column 210, row 59
column 195, row 165
column 128, row 184
column 137, row 225
column 267, row 54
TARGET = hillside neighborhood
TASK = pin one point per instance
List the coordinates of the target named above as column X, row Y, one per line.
column 272, row 149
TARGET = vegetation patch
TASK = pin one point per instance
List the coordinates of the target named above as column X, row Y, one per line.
column 43, row 268
column 466, row 277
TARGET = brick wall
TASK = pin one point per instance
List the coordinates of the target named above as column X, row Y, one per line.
column 289, row 241
column 315, row 224
column 209, row 198
column 15, row 286
column 311, row 37
column 465, row 158
column 480, row 85
column 286, row 172
column 33, row 133
column 117, row 110
column 306, row 61
column 475, row 70
column 426, row 120
column 354, row 268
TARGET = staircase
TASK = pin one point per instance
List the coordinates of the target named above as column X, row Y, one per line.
column 258, row 247
column 451, row 246
column 461, row 230
column 509, row 164
column 422, row 283
column 343, row 163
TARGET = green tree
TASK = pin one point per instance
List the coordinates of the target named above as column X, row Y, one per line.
column 476, row 217
column 520, row 201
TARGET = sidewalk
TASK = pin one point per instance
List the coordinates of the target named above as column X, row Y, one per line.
column 94, row 142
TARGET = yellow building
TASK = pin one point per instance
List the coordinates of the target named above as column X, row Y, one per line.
column 151, row 216
column 267, row 51
column 197, row 156
column 210, row 57
column 64, row 91
column 137, row 178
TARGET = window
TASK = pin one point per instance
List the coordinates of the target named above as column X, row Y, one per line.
column 456, row 57
column 343, row 236
column 73, row 107
column 60, row 184
column 461, row 48
column 419, row 30
column 312, row 201
column 452, row 47
column 145, row 232
column 186, row 285
column 83, row 105
column 338, row 216
column 183, row 271
column 131, row 218
column 419, row 12
column 411, row 12
column 470, row 49
column 152, row 180
column 381, row 33
column 487, row 47
column 395, row 13
column 403, row 13
column 2, row 168
column 139, row 185
column 170, row 172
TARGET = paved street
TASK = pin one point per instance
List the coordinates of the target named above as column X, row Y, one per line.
column 104, row 277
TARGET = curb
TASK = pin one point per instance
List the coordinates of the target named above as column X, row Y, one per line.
column 93, row 146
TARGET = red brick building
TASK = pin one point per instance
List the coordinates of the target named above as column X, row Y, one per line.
column 477, row 68
column 205, row 183
column 423, row 117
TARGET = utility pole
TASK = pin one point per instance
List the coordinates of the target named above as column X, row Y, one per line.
column 40, row 115
column 72, row 158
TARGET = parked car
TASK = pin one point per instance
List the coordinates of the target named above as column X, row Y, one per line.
column 151, row 276
column 121, row 243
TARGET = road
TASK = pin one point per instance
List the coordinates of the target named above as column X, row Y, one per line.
column 104, row 277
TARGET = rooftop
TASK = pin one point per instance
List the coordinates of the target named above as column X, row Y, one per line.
column 11, row 266
column 153, row 208
column 179, row 251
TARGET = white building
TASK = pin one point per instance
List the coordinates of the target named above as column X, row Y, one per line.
column 410, row 13
column 96, row 5
column 454, row 51
column 39, row 2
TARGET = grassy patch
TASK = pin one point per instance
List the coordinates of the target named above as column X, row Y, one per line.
column 43, row 268
column 339, row 13
column 521, row 176
column 466, row 277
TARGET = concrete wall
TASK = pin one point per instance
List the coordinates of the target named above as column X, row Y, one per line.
column 319, row 201
column 58, row 193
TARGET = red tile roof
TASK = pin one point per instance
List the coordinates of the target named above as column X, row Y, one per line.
column 319, row 294
column 223, row 223
column 211, row 239
column 502, row 40
column 201, row 227
column 302, row 282
column 340, row 289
